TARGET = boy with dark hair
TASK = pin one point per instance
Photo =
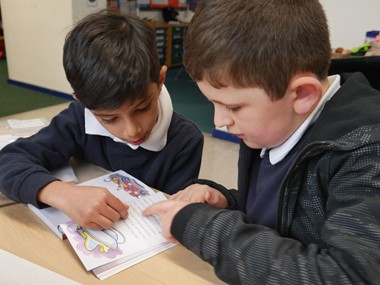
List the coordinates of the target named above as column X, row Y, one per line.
column 307, row 209
column 123, row 119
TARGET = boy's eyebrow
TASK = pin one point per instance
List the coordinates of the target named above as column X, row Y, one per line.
column 103, row 115
column 142, row 102
column 218, row 102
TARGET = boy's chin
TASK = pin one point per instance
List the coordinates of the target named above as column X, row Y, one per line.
column 252, row 145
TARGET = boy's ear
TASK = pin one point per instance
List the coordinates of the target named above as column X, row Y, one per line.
column 163, row 71
column 307, row 92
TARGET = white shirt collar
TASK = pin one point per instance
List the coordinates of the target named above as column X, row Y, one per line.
column 157, row 138
column 278, row 153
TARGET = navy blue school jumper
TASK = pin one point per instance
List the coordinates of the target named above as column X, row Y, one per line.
column 25, row 165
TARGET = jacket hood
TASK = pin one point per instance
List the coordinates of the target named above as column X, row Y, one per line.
column 356, row 104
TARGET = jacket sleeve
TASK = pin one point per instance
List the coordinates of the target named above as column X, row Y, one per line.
column 346, row 251
column 26, row 164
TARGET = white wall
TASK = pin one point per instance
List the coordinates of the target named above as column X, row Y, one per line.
column 349, row 20
column 34, row 32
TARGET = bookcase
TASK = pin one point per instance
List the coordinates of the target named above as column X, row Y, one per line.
column 169, row 42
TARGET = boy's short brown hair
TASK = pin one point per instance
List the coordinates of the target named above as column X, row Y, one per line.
column 110, row 59
column 257, row 43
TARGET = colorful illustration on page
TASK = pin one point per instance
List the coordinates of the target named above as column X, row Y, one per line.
column 97, row 243
column 128, row 184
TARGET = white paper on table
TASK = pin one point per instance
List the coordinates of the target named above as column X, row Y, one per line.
column 19, row 271
column 23, row 124
column 6, row 139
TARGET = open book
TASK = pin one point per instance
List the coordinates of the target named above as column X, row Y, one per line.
column 128, row 242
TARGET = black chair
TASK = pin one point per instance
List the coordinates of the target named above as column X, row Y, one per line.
column 368, row 65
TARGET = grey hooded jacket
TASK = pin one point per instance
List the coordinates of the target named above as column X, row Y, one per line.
column 328, row 219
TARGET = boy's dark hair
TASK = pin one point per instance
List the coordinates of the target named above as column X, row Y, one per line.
column 257, row 43
column 110, row 59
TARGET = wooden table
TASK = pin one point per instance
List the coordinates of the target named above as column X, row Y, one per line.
column 26, row 236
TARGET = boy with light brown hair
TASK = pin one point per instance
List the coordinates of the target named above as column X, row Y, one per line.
column 307, row 209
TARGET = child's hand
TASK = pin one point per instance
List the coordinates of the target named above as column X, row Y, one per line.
column 166, row 210
column 200, row 193
column 88, row 206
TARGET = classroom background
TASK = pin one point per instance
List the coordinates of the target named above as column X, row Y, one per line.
column 31, row 48
column 31, row 71
column 32, row 82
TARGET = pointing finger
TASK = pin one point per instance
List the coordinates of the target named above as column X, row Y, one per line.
column 159, row 207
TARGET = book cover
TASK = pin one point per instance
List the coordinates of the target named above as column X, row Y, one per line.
column 52, row 218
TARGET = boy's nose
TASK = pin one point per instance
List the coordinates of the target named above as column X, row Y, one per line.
column 222, row 117
column 132, row 130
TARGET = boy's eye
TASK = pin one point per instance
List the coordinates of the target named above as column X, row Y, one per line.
column 144, row 109
column 109, row 121
column 233, row 108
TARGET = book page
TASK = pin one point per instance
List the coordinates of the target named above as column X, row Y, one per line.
column 128, row 242
column 111, row 268
column 139, row 227
column 119, row 183
column 127, row 239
